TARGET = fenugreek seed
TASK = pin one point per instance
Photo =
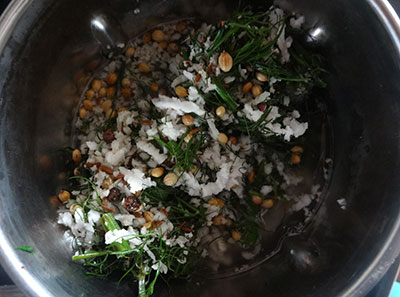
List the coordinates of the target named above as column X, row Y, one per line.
column 96, row 85
column 90, row 94
column 297, row 149
column 187, row 120
column 170, row 179
column 144, row 68
column 64, row 195
column 163, row 44
column 153, row 86
column 126, row 82
column 225, row 61
column 295, row 159
column 106, row 105
column 76, row 171
column 213, row 201
column 82, row 113
column 110, row 113
column 107, row 183
column 217, row 221
column 194, row 169
column 216, row 202
column 173, row 47
column 112, row 78
column 235, row 235
column 261, row 77
column 126, row 92
column 146, row 37
column 269, row 203
column 222, row 138
column 148, row 216
column 181, row 92
column 157, row 172
column 220, row 111
column 88, row 104
column 129, row 52
column 147, row 225
column 247, row 87
column 257, row 200
column 77, row 156
column 157, row 35
column 256, row 90
column 102, row 92
column 110, row 92
column 251, row 176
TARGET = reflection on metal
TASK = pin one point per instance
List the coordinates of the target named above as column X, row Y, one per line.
column 317, row 35
column 389, row 18
column 9, row 19
column 98, row 24
column 107, row 31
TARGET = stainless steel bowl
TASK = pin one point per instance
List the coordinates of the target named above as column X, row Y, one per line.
column 48, row 47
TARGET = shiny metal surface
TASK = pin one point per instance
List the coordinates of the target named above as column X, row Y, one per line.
column 107, row 31
column 48, row 49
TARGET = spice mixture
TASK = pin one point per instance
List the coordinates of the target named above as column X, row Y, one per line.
column 184, row 141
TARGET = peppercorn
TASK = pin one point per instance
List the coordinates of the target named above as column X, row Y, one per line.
column 114, row 195
column 132, row 204
column 108, row 136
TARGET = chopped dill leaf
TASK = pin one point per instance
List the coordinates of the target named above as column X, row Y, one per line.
column 25, row 248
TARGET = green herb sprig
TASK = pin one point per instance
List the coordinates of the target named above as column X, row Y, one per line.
column 183, row 154
column 25, row 248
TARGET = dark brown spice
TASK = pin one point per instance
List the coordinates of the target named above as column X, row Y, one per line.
column 115, row 195
column 132, row 204
column 108, row 136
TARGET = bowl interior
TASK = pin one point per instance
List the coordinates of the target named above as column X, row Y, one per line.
column 52, row 47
